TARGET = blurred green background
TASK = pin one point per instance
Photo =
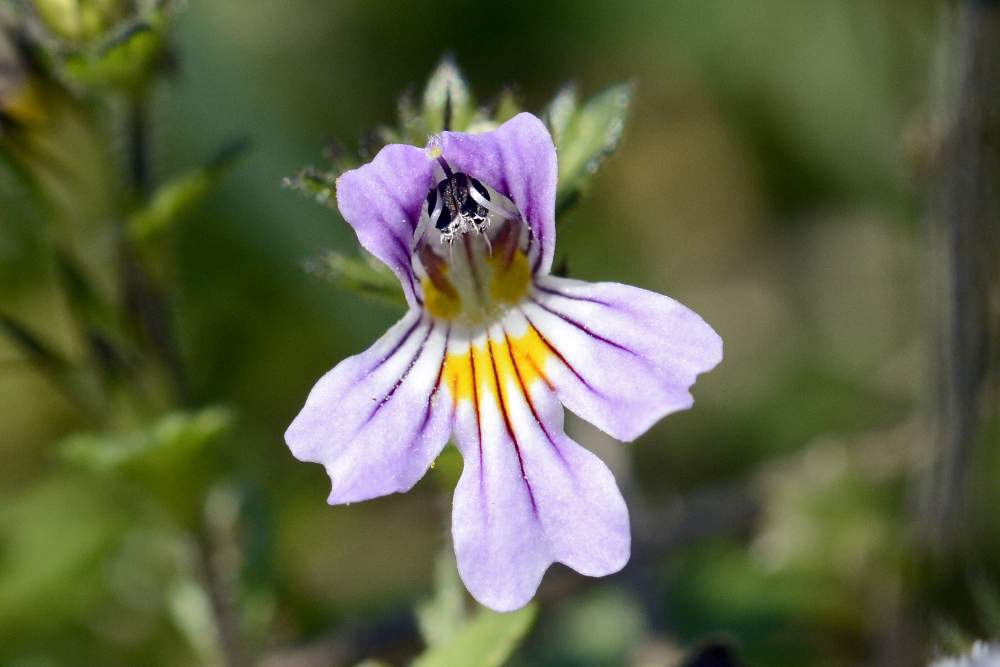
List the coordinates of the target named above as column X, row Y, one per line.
column 769, row 177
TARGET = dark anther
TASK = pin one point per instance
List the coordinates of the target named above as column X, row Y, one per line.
column 457, row 204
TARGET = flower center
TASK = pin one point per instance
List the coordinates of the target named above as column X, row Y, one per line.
column 470, row 250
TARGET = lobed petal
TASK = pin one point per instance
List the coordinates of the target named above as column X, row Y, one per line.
column 619, row 356
column 528, row 495
column 377, row 420
column 381, row 201
column 518, row 159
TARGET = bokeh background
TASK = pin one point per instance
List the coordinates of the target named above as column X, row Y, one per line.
column 772, row 176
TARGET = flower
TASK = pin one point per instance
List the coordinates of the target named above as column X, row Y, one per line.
column 490, row 351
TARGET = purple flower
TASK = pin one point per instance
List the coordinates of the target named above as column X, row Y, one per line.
column 490, row 351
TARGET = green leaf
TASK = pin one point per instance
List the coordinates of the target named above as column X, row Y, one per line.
column 75, row 384
column 54, row 534
column 488, row 640
column 191, row 611
column 174, row 438
column 175, row 198
column 123, row 61
column 442, row 616
column 448, row 103
column 159, row 457
column 586, row 136
column 39, row 352
column 362, row 274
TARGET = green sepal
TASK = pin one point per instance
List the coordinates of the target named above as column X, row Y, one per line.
column 318, row 185
column 362, row 274
column 585, row 135
column 507, row 105
column 447, row 100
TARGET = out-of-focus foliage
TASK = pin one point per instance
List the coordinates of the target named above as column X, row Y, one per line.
column 763, row 177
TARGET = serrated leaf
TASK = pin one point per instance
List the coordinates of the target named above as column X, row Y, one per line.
column 442, row 616
column 488, row 640
column 588, row 137
column 172, row 439
column 448, row 104
column 175, row 198
column 362, row 274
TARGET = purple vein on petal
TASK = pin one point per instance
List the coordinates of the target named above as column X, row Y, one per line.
column 559, row 355
column 531, row 404
column 510, row 428
column 574, row 297
column 402, row 378
column 437, row 387
column 395, row 348
column 582, row 327
column 391, row 196
column 479, row 421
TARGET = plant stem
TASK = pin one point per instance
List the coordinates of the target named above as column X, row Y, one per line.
column 218, row 586
column 965, row 230
column 143, row 299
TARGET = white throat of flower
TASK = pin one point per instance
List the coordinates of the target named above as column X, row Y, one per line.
column 470, row 249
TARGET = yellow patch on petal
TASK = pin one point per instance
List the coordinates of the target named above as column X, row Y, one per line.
column 521, row 360
column 530, row 353
column 510, row 277
column 442, row 302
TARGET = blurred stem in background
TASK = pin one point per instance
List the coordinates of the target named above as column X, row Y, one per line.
column 100, row 63
column 965, row 214
column 959, row 496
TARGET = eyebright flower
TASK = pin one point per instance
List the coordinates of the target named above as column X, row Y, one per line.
column 490, row 351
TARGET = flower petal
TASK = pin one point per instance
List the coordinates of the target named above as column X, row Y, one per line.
column 618, row 356
column 377, row 420
column 518, row 159
column 528, row 496
column 381, row 201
